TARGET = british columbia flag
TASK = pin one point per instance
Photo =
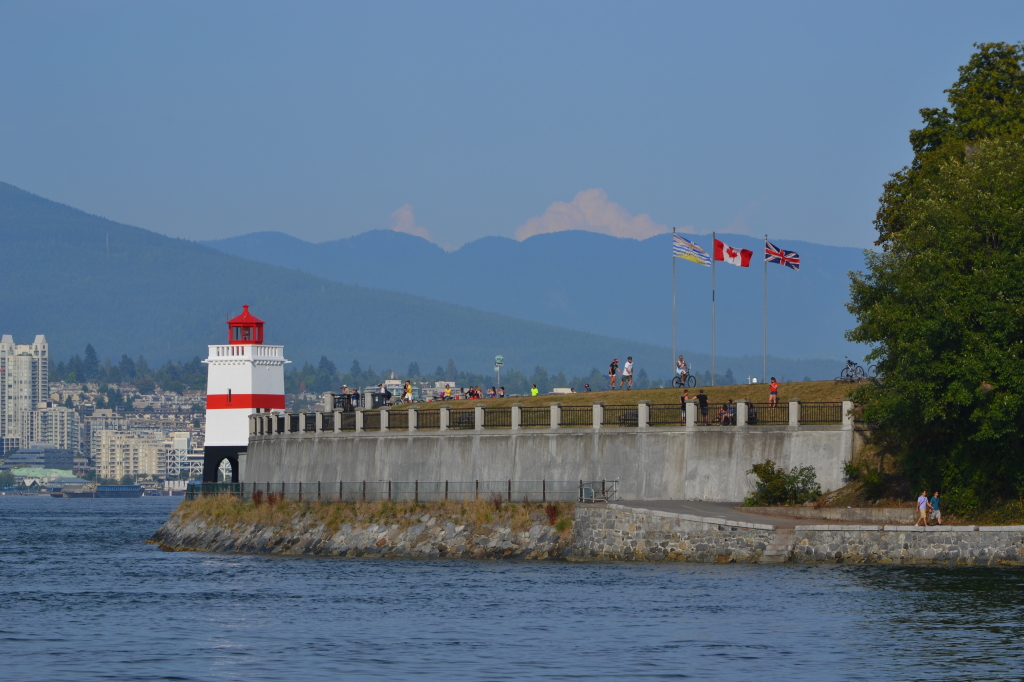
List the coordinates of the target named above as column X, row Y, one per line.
column 773, row 254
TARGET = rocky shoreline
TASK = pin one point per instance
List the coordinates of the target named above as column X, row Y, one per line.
column 417, row 533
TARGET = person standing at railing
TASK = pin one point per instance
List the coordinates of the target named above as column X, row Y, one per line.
column 682, row 403
column 627, row 373
column 702, row 403
column 534, row 392
column 613, row 369
column 773, row 393
column 501, row 392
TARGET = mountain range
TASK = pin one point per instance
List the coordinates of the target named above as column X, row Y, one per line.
column 600, row 284
column 80, row 278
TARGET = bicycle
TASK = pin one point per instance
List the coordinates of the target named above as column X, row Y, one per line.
column 680, row 380
column 852, row 372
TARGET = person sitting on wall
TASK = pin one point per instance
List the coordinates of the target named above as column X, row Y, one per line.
column 727, row 414
column 447, row 395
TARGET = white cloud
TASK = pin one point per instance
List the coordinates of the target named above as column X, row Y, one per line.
column 402, row 220
column 590, row 210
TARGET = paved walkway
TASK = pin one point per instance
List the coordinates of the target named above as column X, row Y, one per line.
column 728, row 511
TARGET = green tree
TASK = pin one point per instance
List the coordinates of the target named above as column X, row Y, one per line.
column 7, row 479
column 943, row 307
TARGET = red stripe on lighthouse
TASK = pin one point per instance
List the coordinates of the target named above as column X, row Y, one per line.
column 245, row 401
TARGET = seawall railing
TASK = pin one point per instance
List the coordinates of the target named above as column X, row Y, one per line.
column 480, row 417
column 412, row 491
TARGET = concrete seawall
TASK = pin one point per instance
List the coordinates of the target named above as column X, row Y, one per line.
column 705, row 463
column 616, row 532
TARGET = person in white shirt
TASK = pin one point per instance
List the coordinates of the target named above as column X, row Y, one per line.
column 627, row 373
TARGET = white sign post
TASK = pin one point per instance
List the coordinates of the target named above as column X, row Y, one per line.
column 498, row 362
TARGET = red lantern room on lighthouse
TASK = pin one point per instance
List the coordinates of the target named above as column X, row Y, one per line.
column 245, row 377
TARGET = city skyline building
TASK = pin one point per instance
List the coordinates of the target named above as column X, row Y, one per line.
column 25, row 371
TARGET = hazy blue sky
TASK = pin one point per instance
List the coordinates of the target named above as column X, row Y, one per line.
column 460, row 120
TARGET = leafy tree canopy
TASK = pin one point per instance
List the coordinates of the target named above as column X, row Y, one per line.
column 943, row 306
column 986, row 102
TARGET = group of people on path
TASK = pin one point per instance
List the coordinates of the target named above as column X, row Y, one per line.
column 627, row 374
column 471, row 393
column 926, row 507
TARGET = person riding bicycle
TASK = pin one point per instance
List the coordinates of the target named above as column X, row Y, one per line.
column 682, row 371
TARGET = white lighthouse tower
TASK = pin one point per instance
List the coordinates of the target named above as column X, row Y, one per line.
column 245, row 377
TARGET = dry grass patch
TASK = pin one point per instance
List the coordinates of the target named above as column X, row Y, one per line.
column 808, row 391
column 227, row 510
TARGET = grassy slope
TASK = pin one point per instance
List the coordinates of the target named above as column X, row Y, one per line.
column 808, row 391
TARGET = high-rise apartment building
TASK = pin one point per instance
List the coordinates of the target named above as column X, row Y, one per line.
column 25, row 372
column 48, row 423
column 131, row 453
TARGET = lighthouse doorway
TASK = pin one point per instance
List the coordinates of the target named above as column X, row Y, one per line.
column 214, row 455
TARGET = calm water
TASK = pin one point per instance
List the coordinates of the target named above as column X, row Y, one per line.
column 84, row 598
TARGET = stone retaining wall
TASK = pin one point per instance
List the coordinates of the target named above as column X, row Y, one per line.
column 624, row 533
column 958, row 545
column 617, row 532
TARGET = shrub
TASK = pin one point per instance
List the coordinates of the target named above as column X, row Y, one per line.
column 774, row 486
column 552, row 512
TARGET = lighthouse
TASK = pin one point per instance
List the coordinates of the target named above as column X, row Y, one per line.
column 245, row 376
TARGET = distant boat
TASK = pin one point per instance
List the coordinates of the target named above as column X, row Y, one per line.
column 79, row 490
column 119, row 491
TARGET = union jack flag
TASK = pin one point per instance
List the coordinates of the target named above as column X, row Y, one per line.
column 773, row 254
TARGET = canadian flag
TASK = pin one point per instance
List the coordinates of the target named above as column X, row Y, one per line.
column 740, row 257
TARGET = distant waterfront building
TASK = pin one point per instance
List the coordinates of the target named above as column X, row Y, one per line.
column 25, row 371
column 48, row 423
column 40, row 455
column 130, row 453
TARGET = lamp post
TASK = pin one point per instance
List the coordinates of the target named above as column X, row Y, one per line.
column 498, row 362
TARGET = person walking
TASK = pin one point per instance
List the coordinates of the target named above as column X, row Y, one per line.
column 534, row 391
column 613, row 369
column 702, row 403
column 773, row 393
column 922, row 509
column 407, row 392
column 627, row 373
column 936, row 505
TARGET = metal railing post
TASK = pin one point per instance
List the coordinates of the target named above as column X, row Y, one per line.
column 385, row 418
column 414, row 418
column 359, row 421
column 517, row 416
column 691, row 413
column 794, row 412
column 478, row 417
column 337, row 421
column 598, row 416
column 556, row 415
column 318, row 423
column 442, row 418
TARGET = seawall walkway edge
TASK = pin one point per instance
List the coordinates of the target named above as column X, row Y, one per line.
column 620, row 532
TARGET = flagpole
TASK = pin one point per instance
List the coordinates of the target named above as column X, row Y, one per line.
column 673, row 296
column 712, row 308
column 764, row 375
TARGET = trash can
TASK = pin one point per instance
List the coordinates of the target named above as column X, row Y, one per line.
column 379, row 400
